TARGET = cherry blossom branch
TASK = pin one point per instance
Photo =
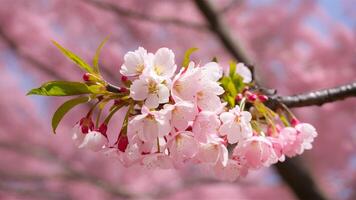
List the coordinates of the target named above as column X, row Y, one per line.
column 222, row 33
column 315, row 98
column 301, row 175
column 124, row 12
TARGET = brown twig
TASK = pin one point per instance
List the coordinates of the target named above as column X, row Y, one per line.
column 315, row 98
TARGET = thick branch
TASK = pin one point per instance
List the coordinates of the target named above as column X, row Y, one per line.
column 301, row 175
column 299, row 179
column 124, row 12
column 315, row 98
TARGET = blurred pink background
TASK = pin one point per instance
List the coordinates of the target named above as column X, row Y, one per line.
column 297, row 45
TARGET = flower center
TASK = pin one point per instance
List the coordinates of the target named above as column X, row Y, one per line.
column 158, row 70
column 152, row 87
column 140, row 68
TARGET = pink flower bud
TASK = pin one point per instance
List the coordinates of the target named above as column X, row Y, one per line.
column 102, row 129
column 252, row 97
column 86, row 77
column 262, row 98
column 238, row 97
column 122, row 143
column 294, row 121
column 124, row 78
column 86, row 124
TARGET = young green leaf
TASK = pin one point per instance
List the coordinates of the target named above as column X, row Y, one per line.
column 61, row 88
column 238, row 82
column 97, row 54
column 187, row 54
column 64, row 108
column 232, row 70
column 76, row 59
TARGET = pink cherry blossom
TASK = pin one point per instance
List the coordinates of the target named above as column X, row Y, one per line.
column 78, row 135
column 244, row 72
column 79, row 131
column 199, row 84
column 306, row 133
column 157, row 160
column 149, row 125
column 185, row 84
column 212, row 71
column 255, row 152
column 277, row 146
column 236, row 125
column 94, row 140
column 134, row 62
column 206, row 123
column 213, row 152
column 183, row 112
column 162, row 64
column 183, row 147
column 291, row 143
column 232, row 171
column 150, row 90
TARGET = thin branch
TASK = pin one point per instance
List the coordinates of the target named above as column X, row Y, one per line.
column 315, row 98
column 221, row 31
column 125, row 12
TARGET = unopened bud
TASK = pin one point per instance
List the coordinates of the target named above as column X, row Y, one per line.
column 294, row 121
column 124, row 78
column 102, row 129
column 86, row 77
column 238, row 97
column 122, row 143
column 252, row 97
column 262, row 98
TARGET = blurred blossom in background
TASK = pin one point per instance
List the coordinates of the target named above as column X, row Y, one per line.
column 298, row 46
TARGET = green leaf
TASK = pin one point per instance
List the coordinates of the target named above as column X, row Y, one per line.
column 187, row 56
column 232, row 70
column 76, row 59
column 238, row 83
column 64, row 108
column 97, row 54
column 61, row 88
column 230, row 100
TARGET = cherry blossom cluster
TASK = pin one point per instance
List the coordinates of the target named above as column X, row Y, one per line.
column 174, row 119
